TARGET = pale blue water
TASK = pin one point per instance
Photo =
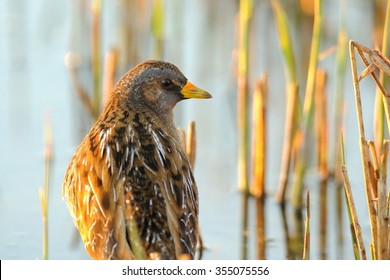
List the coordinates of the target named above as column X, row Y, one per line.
column 34, row 83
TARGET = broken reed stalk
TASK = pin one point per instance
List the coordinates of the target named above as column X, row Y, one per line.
column 374, row 183
column 292, row 99
column 356, row 233
column 110, row 64
column 364, row 150
column 300, row 168
column 355, row 226
column 306, row 240
column 157, row 27
column 245, row 15
column 44, row 192
column 321, row 124
column 191, row 143
column 96, row 9
column 259, row 136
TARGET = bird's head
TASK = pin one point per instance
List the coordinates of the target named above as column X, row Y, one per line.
column 160, row 85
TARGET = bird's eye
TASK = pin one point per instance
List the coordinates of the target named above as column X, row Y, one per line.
column 166, row 83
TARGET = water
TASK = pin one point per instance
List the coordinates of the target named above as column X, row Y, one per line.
column 35, row 84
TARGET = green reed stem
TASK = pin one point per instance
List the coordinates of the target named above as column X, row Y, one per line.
column 157, row 27
column 245, row 15
column 44, row 192
column 300, row 169
column 380, row 100
column 286, row 46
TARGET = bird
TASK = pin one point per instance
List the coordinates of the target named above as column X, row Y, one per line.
column 129, row 187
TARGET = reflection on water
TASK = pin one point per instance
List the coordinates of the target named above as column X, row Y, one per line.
column 34, row 82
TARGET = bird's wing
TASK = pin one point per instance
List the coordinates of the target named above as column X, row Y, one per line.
column 131, row 192
column 92, row 193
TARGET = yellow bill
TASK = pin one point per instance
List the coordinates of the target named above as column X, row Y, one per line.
column 191, row 91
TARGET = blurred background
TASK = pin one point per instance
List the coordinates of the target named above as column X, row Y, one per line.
column 50, row 51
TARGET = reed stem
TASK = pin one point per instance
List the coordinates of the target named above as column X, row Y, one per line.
column 245, row 15
column 300, row 169
column 96, row 56
column 259, row 136
column 292, row 99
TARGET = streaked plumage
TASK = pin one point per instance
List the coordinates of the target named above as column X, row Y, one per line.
column 129, row 185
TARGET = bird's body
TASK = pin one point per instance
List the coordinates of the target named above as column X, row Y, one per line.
column 129, row 186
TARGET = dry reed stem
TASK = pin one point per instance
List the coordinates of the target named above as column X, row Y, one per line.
column 321, row 124
column 259, row 136
column 385, row 62
column 110, row 63
column 383, row 215
column 352, row 209
column 260, row 227
column 323, row 219
column 306, row 240
column 374, row 157
column 289, row 132
column 364, row 150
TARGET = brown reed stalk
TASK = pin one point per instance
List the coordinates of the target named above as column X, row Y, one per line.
column 259, row 136
column 377, row 60
column 260, row 228
column 110, row 63
column 288, row 143
column 383, row 251
column 321, row 123
column 356, row 231
column 306, row 240
column 191, row 143
column 323, row 218
column 245, row 15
